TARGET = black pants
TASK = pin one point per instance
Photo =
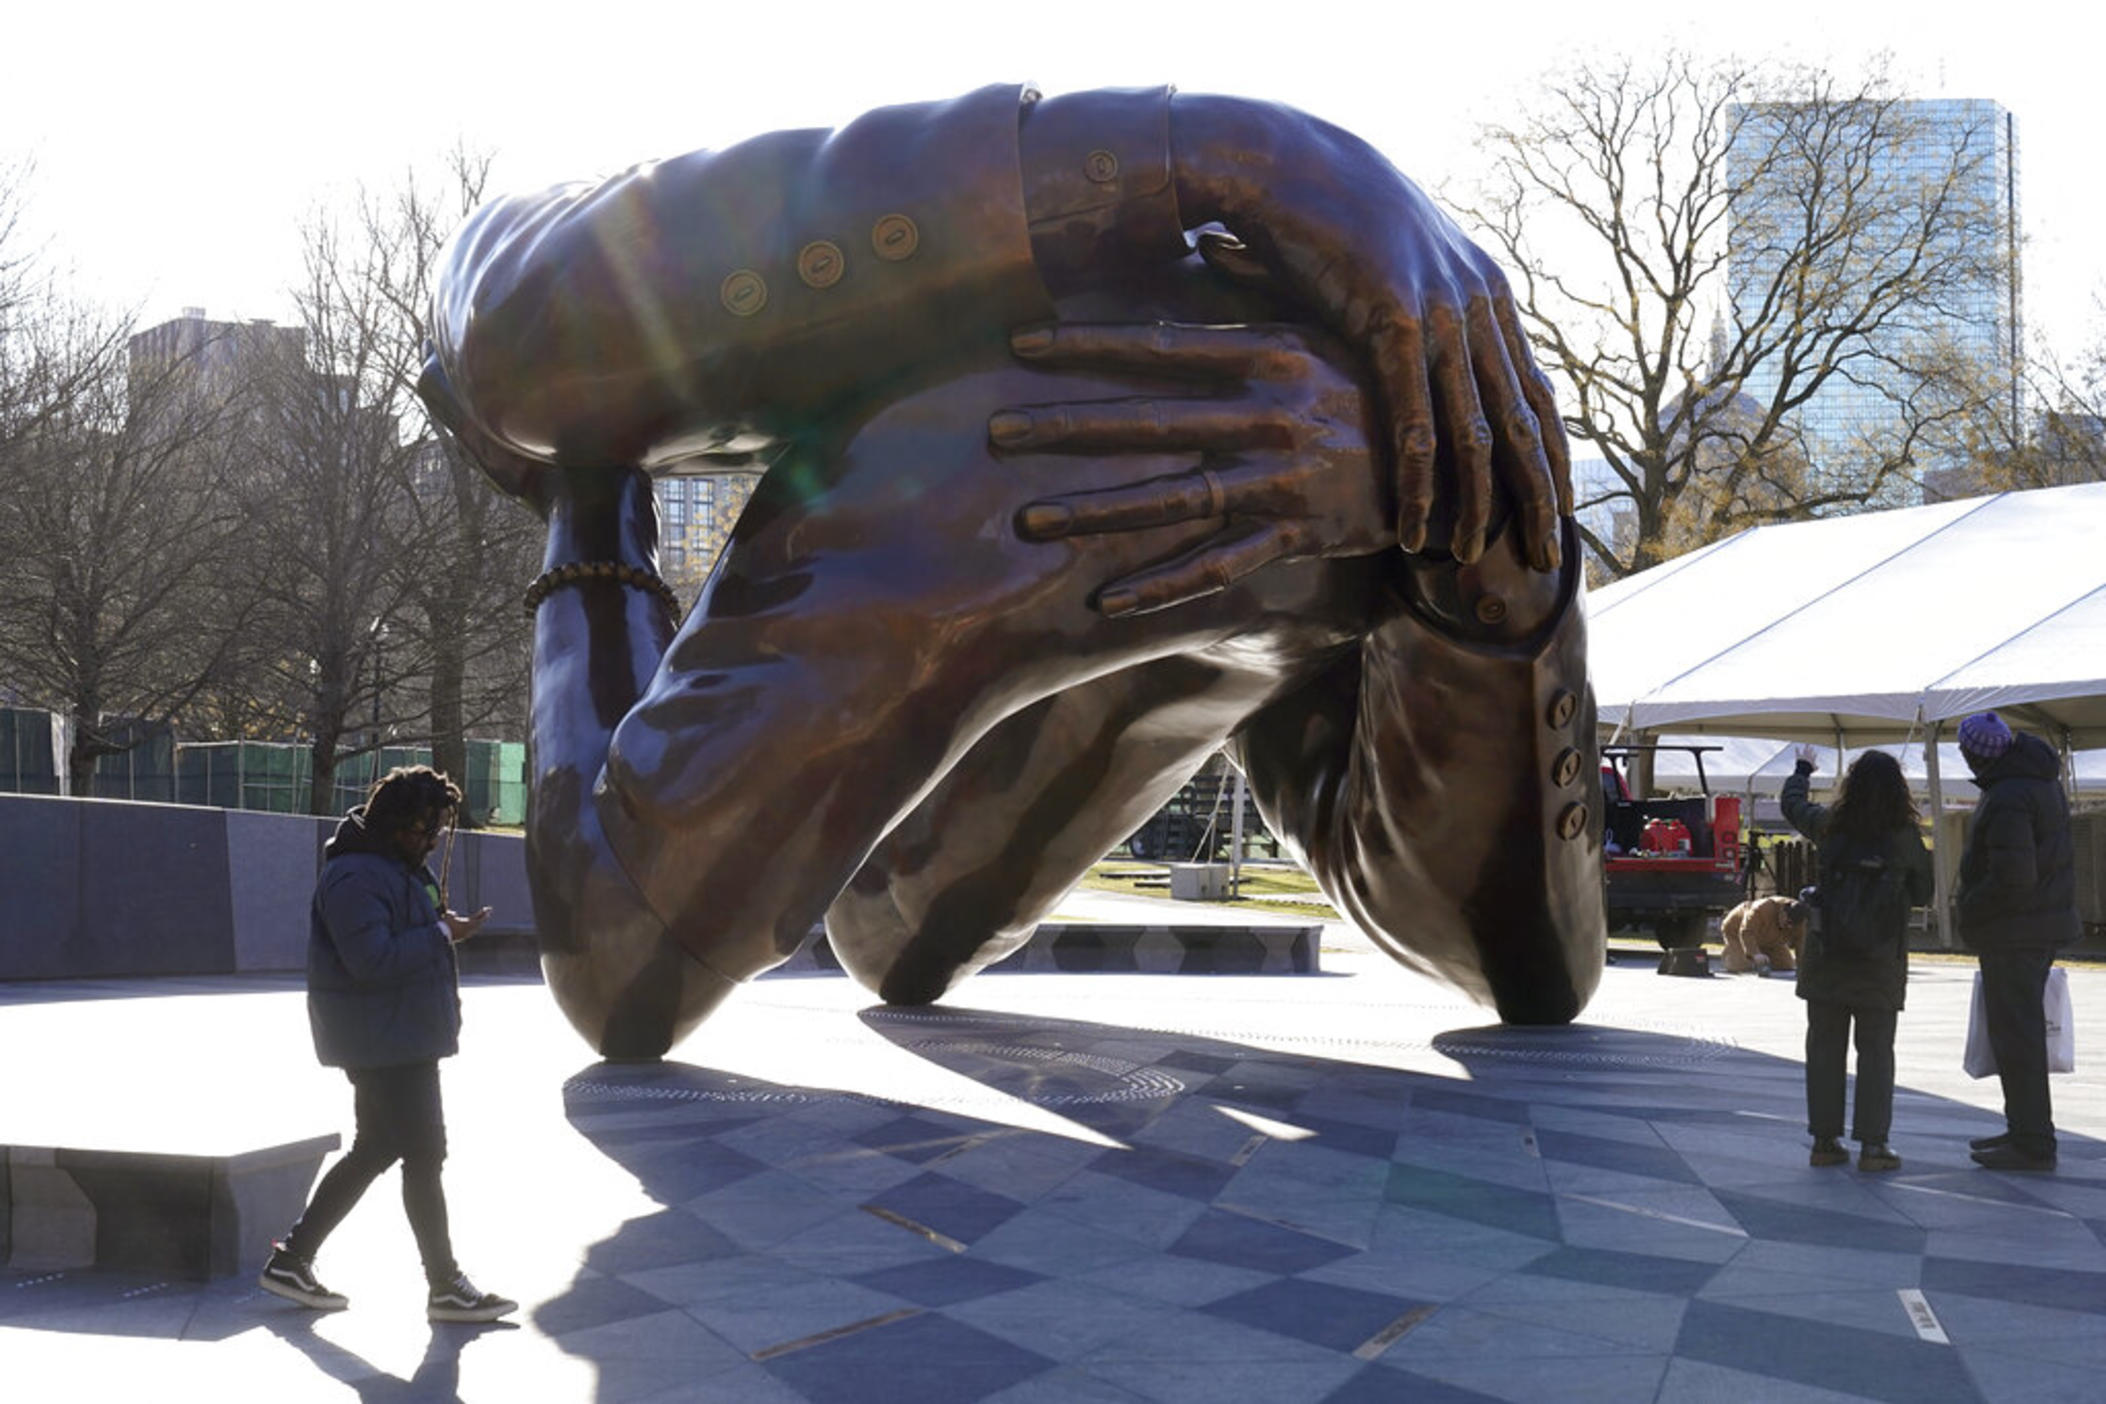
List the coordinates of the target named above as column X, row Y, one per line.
column 2014, row 982
column 399, row 1118
column 1827, row 1052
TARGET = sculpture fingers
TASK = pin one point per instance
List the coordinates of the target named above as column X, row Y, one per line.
column 1159, row 348
column 1536, row 386
column 1196, row 496
column 1233, row 259
column 1518, row 453
column 1462, row 413
column 1217, row 564
column 1400, row 365
column 1159, row 502
column 1141, row 425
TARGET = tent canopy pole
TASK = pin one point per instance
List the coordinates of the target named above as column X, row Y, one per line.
column 1941, row 874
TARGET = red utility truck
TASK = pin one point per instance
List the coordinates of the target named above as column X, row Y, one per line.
column 1670, row 864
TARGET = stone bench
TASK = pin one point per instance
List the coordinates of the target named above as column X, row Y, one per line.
column 196, row 1216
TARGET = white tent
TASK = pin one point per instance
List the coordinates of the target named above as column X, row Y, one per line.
column 1872, row 628
column 1758, row 766
column 1883, row 627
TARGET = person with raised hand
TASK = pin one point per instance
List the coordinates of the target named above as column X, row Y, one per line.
column 1854, row 964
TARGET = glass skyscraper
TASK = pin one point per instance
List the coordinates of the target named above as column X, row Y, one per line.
column 1950, row 165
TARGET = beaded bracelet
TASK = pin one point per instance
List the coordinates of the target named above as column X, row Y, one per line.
column 635, row 577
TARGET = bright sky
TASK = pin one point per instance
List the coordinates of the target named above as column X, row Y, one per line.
column 178, row 146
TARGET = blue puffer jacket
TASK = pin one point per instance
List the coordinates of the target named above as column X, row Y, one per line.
column 382, row 985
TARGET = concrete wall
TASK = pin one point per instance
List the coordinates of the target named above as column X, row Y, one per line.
column 94, row 888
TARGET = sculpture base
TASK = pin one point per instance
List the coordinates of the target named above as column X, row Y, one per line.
column 1078, row 947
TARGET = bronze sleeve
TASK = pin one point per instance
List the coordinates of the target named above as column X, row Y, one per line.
column 1444, row 786
column 708, row 302
column 1099, row 190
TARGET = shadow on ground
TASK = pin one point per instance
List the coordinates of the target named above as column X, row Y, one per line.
column 1070, row 1210
column 1580, row 1213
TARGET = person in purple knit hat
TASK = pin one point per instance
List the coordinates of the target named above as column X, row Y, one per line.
column 2016, row 906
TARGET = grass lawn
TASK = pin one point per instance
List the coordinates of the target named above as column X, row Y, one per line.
column 1260, row 889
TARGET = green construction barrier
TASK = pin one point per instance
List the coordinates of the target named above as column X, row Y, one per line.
column 144, row 770
column 278, row 776
column 32, row 756
column 274, row 776
column 495, row 788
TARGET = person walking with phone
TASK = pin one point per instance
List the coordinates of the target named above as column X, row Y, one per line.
column 1854, row 968
column 383, row 997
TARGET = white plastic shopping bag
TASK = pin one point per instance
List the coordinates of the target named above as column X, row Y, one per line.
column 2061, row 1028
column 1980, row 1059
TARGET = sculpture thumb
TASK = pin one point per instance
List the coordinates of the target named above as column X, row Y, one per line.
column 1233, row 259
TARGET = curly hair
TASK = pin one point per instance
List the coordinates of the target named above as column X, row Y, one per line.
column 406, row 795
column 1875, row 800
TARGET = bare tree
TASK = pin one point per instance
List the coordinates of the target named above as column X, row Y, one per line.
column 16, row 264
column 1818, row 227
column 51, row 351
column 2058, row 433
column 388, row 568
column 113, row 604
column 2068, row 444
column 476, row 549
column 110, row 603
column 320, row 477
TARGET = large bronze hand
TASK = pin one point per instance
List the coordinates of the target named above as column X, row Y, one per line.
column 1280, row 431
column 1381, row 266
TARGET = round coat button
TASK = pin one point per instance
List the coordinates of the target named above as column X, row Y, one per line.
column 744, row 293
column 1572, row 822
column 1565, row 769
column 1562, row 706
column 894, row 238
column 820, row 264
column 1101, row 166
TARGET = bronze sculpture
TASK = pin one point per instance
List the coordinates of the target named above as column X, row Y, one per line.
column 1054, row 506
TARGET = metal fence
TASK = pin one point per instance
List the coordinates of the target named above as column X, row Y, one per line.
column 32, row 752
column 272, row 776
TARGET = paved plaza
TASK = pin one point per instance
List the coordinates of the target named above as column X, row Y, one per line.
column 1096, row 1188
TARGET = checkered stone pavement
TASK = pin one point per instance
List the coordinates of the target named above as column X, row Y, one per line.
column 1118, row 1188
column 1594, row 1213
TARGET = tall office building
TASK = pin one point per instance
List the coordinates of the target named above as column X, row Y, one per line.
column 695, row 518
column 217, row 360
column 215, row 357
column 1972, row 318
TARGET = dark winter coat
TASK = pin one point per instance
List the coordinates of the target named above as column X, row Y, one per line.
column 2018, row 884
column 382, row 985
column 1877, row 981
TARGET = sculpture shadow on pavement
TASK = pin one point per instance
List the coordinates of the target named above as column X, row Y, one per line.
column 1095, row 1206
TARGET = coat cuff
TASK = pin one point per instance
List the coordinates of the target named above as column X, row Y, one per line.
column 1097, row 179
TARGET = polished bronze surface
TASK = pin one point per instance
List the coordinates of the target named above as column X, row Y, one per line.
column 1055, row 505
